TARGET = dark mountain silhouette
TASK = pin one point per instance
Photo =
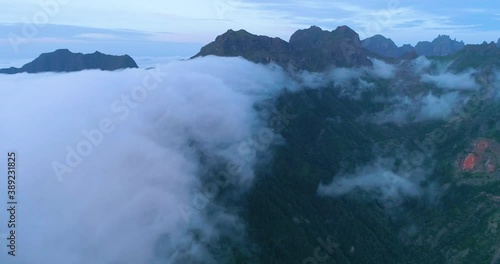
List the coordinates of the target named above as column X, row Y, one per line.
column 385, row 47
column 485, row 55
column 443, row 45
column 63, row 60
column 315, row 49
column 310, row 49
column 260, row 49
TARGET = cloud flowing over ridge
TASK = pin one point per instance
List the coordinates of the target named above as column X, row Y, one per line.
column 105, row 166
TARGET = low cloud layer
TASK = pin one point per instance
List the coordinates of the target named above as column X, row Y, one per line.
column 114, row 166
column 350, row 82
column 380, row 69
column 450, row 81
column 405, row 109
column 379, row 180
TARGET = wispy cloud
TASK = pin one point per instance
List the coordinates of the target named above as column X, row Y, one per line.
column 475, row 10
column 96, row 36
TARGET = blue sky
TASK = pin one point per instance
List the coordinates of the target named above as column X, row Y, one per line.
column 179, row 28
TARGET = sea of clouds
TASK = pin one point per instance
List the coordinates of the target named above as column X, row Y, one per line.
column 111, row 167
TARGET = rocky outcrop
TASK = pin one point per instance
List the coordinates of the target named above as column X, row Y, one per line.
column 479, row 164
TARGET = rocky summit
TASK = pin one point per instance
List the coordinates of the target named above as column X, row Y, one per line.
column 441, row 46
column 312, row 49
column 385, row 46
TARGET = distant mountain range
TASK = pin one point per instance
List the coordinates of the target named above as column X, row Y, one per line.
column 443, row 45
column 63, row 60
column 312, row 49
column 316, row 50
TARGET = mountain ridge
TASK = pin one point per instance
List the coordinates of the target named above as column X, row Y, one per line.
column 312, row 49
column 63, row 60
column 443, row 45
column 315, row 49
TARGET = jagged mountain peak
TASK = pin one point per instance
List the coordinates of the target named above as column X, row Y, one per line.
column 383, row 46
column 347, row 32
column 312, row 49
column 443, row 45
